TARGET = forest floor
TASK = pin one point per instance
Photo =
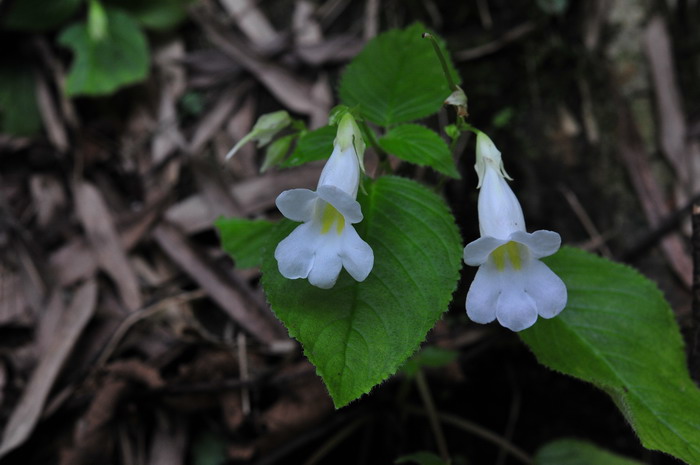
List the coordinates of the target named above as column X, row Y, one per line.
column 119, row 312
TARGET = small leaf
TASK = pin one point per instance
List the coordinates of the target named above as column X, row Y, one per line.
column 357, row 334
column 39, row 15
column 396, row 78
column 244, row 240
column 421, row 458
column 19, row 114
column 430, row 356
column 619, row 333
column 276, row 152
column 420, row 145
column 100, row 67
column 155, row 14
column 575, row 452
column 312, row 146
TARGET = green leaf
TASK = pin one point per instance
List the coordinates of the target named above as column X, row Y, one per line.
column 39, row 15
column 357, row 334
column 244, row 240
column 276, row 151
column 19, row 114
column 575, row 452
column 421, row 458
column 428, row 357
column 619, row 333
column 312, row 146
column 420, row 145
column 155, row 14
column 396, row 78
column 102, row 66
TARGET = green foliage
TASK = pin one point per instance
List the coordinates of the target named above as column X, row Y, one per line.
column 357, row 334
column 396, row 78
column 619, row 333
column 244, row 240
column 19, row 114
column 276, row 151
column 421, row 458
column 39, row 15
column 155, row 14
column 101, row 66
column 575, row 452
column 312, row 146
column 430, row 356
column 419, row 145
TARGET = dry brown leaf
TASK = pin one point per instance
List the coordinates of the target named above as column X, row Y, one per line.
column 292, row 91
column 169, row 441
column 649, row 192
column 26, row 415
column 181, row 251
column 252, row 22
column 106, row 245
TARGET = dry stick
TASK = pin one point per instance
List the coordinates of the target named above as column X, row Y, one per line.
column 432, row 416
column 477, row 430
column 695, row 242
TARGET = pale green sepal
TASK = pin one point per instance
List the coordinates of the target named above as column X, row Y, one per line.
column 349, row 134
column 97, row 21
column 264, row 130
column 487, row 153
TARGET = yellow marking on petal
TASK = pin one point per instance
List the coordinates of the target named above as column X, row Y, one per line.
column 330, row 216
column 510, row 251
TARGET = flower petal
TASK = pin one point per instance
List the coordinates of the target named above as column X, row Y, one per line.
column 541, row 243
column 297, row 204
column 327, row 263
column 342, row 201
column 342, row 170
column 483, row 294
column 478, row 251
column 546, row 289
column 500, row 213
column 356, row 254
column 515, row 309
column 295, row 253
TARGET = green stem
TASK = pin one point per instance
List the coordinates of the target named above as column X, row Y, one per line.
column 443, row 62
column 477, row 430
column 432, row 416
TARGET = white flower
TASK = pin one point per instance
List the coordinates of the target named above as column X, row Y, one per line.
column 327, row 241
column 512, row 284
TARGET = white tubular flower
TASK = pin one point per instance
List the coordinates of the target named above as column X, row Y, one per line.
column 327, row 241
column 512, row 284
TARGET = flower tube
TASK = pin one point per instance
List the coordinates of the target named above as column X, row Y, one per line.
column 327, row 241
column 512, row 285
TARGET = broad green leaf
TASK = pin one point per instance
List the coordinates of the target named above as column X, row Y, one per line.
column 155, row 14
column 430, row 356
column 553, row 7
column 39, row 15
column 575, row 452
column 396, row 78
column 244, row 240
column 312, row 146
column 357, row 334
column 619, row 333
column 19, row 114
column 100, row 67
column 419, row 145
column 421, row 458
